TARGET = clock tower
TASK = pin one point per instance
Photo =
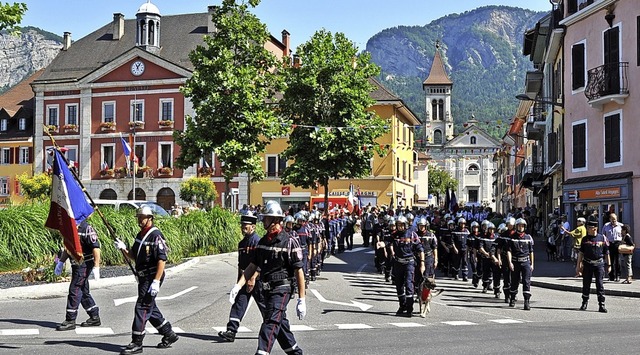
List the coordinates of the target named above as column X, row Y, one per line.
column 437, row 87
column 148, row 27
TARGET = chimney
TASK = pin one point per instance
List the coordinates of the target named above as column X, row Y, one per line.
column 66, row 41
column 285, row 40
column 118, row 26
column 210, row 26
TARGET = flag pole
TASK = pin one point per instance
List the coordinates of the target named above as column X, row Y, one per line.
column 112, row 232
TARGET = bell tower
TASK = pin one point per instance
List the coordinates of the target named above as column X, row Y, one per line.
column 148, row 27
column 437, row 87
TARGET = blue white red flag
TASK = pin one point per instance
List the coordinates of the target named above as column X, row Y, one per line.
column 351, row 198
column 69, row 207
column 125, row 147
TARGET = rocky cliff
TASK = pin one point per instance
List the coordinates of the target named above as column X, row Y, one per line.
column 22, row 55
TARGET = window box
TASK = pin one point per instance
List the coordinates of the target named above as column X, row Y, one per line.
column 166, row 124
column 107, row 173
column 70, row 128
column 51, row 128
column 165, row 172
column 121, row 172
column 108, row 126
column 136, row 125
column 205, row 172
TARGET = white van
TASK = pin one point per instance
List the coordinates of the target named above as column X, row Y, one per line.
column 132, row 205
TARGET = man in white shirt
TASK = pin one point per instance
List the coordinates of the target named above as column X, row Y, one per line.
column 613, row 232
column 566, row 240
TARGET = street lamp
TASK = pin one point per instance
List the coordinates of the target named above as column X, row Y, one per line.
column 525, row 97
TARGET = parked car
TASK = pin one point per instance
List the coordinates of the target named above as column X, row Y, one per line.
column 132, row 205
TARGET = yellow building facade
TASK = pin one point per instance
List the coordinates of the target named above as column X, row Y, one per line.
column 391, row 181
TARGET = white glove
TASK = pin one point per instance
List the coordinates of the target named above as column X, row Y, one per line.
column 154, row 288
column 59, row 268
column 233, row 293
column 119, row 244
column 301, row 308
column 96, row 273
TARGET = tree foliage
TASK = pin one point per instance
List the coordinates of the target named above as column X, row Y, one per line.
column 233, row 81
column 440, row 180
column 36, row 187
column 330, row 91
column 199, row 189
column 11, row 16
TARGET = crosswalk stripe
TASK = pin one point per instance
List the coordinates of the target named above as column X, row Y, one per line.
column 505, row 321
column 459, row 322
column 19, row 332
column 241, row 329
column 407, row 325
column 353, row 326
column 300, row 327
column 94, row 331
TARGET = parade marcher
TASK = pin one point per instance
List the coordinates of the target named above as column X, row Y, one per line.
column 472, row 253
column 460, row 251
column 405, row 247
column 149, row 252
column 502, row 246
column 315, row 244
column 388, row 238
column 303, row 235
column 485, row 248
column 279, row 258
column 429, row 246
column 592, row 259
column 613, row 232
column 448, row 247
column 520, row 258
column 378, row 242
column 246, row 249
column 79, row 292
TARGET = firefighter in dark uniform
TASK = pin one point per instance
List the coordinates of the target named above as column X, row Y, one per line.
column 149, row 252
column 405, row 247
column 502, row 245
column 79, row 287
column 302, row 230
column 459, row 255
column 246, row 249
column 388, row 238
column 279, row 258
column 448, row 248
column 592, row 259
column 520, row 257
column 473, row 253
column 485, row 250
column 429, row 246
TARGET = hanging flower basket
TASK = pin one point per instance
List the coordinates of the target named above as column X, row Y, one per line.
column 70, row 128
column 166, row 124
column 136, row 125
column 107, row 126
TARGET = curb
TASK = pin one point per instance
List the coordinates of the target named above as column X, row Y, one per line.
column 578, row 289
column 61, row 289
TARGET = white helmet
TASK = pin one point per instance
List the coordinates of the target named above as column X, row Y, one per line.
column 521, row 221
column 490, row 225
column 288, row 219
column 502, row 227
column 272, row 209
column 475, row 224
column 403, row 220
column 300, row 217
column 423, row 222
column 144, row 210
column 462, row 220
column 510, row 221
column 485, row 223
column 409, row 216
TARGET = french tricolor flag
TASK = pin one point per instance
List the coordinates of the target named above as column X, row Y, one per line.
column 69, row 207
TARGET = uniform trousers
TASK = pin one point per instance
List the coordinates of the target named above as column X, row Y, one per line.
column 404, row 277
column 79, row 292
column 147, row 310
column 588, row 272
column 459, row 263
column 506, row 275
column 521, row 272
column 241, row 303
column 473, row 266
column 275, row 325
column 487, row 269
column 615, row 260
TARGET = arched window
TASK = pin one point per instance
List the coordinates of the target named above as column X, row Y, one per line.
column 437, row 137
column 108, row 194
column 140, row 194
column 473, row 140
column 152, row 33
column 441, row 109
column 434, row 110
column 473, row 169
column 166, row 198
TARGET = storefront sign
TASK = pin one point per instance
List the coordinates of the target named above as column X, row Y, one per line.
column 603, row 193
column 285, row 190
column 346, row 193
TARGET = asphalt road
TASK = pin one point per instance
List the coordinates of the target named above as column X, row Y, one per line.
column 351, row 310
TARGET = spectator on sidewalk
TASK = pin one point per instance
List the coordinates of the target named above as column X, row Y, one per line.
column 577, row 235
column 613, row 232
column 565, row 238
column 628, row 258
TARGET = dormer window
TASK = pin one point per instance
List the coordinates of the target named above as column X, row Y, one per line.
column 4, row 124
column 22, row 124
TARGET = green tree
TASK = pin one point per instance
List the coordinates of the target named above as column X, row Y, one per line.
column 199, row 189
column 36, row 187
column 11, row 16
column 233, row 81
column 440, row 180
column 327, row 98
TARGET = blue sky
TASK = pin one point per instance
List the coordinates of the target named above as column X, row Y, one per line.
column 358, row 19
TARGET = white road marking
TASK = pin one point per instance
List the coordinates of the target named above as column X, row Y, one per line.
column 459, row 322
column 152, row 330
column 505, row 321
column 94, row 331
column 300, row 328
column 354, row 326
column 119, row 301
column 407, row 325
column 362, row 306
column 19, row 332
column 370, row 252
column 355, row 250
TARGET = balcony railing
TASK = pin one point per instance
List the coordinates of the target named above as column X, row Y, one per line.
column 606, row 80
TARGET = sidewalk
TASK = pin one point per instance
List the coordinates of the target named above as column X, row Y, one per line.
column 559, row 275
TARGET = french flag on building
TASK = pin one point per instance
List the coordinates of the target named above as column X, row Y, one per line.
column 69, row 207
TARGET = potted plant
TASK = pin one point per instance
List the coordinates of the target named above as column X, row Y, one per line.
column 205, row 171
column 165, row 124
column 121, row 172
column 51, row 128
column 70, row 128
column 107, row 173
column 165, row 171
column 136, row 124
column 108, row 126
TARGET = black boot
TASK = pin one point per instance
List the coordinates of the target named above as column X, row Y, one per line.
column 585, row 303
column 168, row 339
column 135, row 347
column 601, row 309
column 512, row 301
column 67, row 325
column 401, row 311
column 227, row 336
column 527, row 306
column 506, row 298
column 93, row 321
